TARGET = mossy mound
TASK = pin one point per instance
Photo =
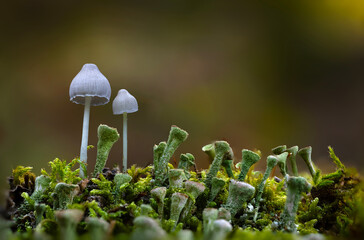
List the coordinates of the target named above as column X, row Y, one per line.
column 185, row 204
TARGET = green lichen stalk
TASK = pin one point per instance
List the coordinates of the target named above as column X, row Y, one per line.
column 64, row 194
column 221, row 149
column 186, row 161
column 178, row 202
column 239, row 193
column 159, row 194
column 295, row 187
column 176, row 137
column 68, row 220
column 209, row 149
column 107, row 137
column 292, row 159
column 97, row 227
column 176, row 178
column 157, row 153
column 194, row 190
column 271, row 163
column 249, row 158
column 306, row 153
column 216, row 186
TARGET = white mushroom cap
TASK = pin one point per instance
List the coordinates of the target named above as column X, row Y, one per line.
column 90, row 82
column 124, row 102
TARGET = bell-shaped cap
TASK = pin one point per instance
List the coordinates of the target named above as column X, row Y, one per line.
column 90, row 82
column 124, row 102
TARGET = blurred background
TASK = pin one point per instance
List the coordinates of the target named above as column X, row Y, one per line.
column 255, row 73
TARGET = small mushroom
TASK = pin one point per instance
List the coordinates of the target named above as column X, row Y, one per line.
column 124, row 103
column 89, row 88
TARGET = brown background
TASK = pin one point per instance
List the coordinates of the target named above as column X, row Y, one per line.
column 257, row 74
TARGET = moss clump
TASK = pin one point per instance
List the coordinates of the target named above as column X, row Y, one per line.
column 148, row 203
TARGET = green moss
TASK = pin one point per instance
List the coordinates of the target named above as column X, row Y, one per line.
column 127, row 202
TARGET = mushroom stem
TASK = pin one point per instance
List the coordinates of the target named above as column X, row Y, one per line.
column 125, row 141
column 86, row 120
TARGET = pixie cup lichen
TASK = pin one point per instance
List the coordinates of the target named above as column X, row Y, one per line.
column 159, row 194
column 306, row 153
column 221, row 148
column 176, row 178
column 292, row 159
column 63, row 195
column 157, row 153
column 107, row 137
column 175, row 138
column 178, row 202
column 249, row 158
column 295, row 187
column 239, row 193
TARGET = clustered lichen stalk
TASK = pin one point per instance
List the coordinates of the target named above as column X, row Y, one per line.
column 249, row 158
column 107, row 137
column 271, row 163
column 176, row 137
column 239, row 193
column 221, row 148
column 305, row 153
column 295, row 187
column 292, row 159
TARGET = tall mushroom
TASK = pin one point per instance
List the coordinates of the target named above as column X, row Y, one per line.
column 89, row 88
column 124, row 103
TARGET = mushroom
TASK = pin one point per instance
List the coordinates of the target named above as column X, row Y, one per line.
column 89, row 88
column 124, row 103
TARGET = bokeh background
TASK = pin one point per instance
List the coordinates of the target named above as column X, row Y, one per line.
column 255, row 73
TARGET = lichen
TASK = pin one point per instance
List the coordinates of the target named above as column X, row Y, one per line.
column 165, row 202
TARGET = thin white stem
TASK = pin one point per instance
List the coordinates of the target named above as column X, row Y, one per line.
column 86, row 120
column 125, row 141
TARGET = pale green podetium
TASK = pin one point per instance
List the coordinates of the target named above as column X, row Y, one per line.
column 121, row 181
column 176, row 178
column 216, row 186
column 295, row 187
column 209, row 215
column 271, row 163
column 175, row 138
column 305, row 153
column 157, row 153
column 97, row 228
column 39, row 212
column 186, row 161
column 220, row 229
column 227, row 161
column 63, row 195
column 221, row 148
column 159, row 194
column 107, row 137
column 194, row 190
column 145, row 209
column 239, row 193
column 178, row 202
column 68, row 220
column 41, row 184
column 209, row 149
column 147, row 228
column 249, row 158
column 278, row 150
column 282, row 159
column 292, row 159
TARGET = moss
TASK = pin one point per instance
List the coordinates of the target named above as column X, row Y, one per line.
column 334, row 207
